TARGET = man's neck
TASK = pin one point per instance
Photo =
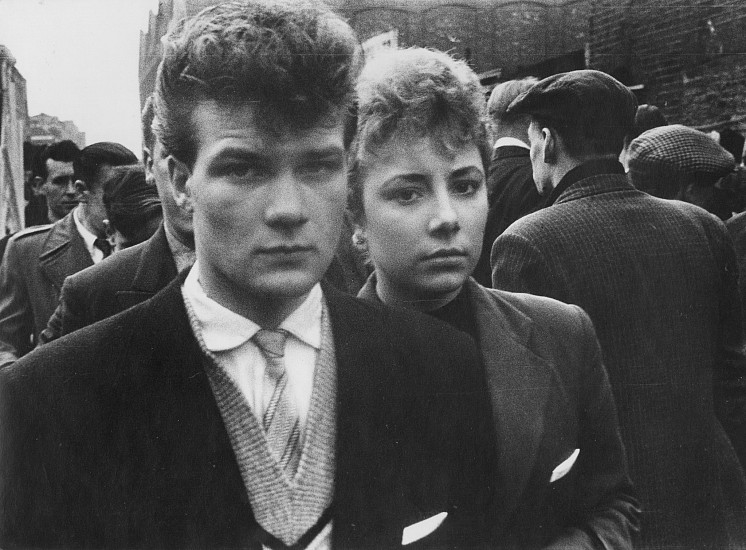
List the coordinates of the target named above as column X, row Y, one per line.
column 85, row 218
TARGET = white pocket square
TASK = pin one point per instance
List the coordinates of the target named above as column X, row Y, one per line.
column 421, row 529
column 565, row 466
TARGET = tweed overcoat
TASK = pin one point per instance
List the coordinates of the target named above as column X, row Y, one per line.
column 658, row 279
column 32, row 271
column 112, row 438
column 107, row 288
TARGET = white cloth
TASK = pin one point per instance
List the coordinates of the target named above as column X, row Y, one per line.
column 228, row 335
column 88, row 238
column 510, row 141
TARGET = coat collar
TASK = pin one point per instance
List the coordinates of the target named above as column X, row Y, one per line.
column 591, row 178
column 64, row 252
column 509, row 151
column 520, row 383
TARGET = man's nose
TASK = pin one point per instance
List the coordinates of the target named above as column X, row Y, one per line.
column 70, row 187
column 285, row 205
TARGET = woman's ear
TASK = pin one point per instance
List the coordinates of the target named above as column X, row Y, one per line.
column 179, row 173
column 359, row 239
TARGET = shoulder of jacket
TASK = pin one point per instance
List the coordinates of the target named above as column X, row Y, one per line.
column 35, row 230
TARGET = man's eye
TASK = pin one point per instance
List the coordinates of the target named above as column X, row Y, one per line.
column 466, row 187
column 240, row 171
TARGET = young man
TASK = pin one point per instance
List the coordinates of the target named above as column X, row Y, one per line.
column 658, row 279
column 38, row 259
column 245, row 405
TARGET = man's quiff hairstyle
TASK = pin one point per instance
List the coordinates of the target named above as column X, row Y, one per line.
column 295, row 58
column 415, row 92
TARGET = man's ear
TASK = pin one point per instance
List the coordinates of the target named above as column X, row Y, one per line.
column 36, row 184
column 549, row 140
column 147, row 160
column 179, row 173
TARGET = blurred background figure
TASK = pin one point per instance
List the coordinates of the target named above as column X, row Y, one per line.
column 511, row 192
column 133, row 208
column 646, row 118
column 53, row 183
column 733, row 142
column 677, row 162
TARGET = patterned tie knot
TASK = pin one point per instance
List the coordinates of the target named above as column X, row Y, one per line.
column 272, row 345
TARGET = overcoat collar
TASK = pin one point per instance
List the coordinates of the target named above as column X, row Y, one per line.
column 585, row 181
column 155, row 269
column 63, row 252
column 509, row 151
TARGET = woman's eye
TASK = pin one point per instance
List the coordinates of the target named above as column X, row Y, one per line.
column 406, row 196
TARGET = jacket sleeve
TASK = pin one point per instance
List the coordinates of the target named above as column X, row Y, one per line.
column 69, row 316
column 519, row 266
column 606, row 512
column 16, row 319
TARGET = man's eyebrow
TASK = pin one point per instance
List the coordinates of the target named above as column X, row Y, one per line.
column 467, row 171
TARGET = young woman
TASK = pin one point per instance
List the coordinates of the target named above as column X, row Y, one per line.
column 419, row 204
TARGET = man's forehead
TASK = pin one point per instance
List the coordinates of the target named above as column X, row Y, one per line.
column 57, row 168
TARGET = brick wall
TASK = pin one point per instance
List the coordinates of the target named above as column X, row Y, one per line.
column 690, row 56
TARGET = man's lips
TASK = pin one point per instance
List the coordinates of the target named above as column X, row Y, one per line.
column 286, row 249
column 447, row 253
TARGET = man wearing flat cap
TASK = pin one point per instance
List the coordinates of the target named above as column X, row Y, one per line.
column 658, row 279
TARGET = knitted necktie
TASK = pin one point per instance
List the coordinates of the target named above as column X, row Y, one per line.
column 280, row 417
column 104, row 246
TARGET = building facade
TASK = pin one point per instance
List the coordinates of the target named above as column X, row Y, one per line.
column 44, row 129
column 687, row 57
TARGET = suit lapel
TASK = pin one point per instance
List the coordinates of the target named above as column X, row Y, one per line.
column 367, row 371
column 155, row 269
column 192, row 430
column 64, row 252
column 520, row 383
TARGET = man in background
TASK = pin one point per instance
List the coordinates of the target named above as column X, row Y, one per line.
column 658, row 279
column 137, row 273
column 511, row 192
column 38, row 259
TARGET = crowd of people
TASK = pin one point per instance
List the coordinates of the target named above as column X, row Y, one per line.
column 352, row 303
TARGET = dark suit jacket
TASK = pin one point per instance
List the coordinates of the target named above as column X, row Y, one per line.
column 33, row 269
column 550, row 396
column 737, row 229
column 112, row 437
column 125, row 279
column 512, row 195
column 658, row 279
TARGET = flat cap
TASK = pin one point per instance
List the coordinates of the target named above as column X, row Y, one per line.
column 679, row 148
column 579, row 99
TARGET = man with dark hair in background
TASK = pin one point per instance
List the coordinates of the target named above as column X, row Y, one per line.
column 658, row 279
column 53, row 178
column 38, row 259
column 511, row 192
column 137, row 273
column 246, row 405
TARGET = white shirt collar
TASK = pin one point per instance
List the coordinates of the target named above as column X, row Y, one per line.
column 88, row 237
column 223, row 329
column 510, row 141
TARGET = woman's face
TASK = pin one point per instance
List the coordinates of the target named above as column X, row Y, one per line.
column 424, row 212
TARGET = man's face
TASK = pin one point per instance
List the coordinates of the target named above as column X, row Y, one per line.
column 541, row 173
column 59, row 188
column 267, row 205
column 94, row 197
